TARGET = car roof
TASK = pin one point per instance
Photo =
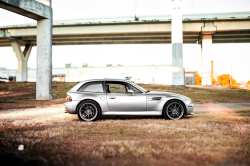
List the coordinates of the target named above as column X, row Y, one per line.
column 105, row 79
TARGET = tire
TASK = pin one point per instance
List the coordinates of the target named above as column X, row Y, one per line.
column 88, row 111
column 174, row 110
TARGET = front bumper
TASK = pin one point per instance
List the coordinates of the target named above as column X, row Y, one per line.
column 70, row 107
column 190, row 109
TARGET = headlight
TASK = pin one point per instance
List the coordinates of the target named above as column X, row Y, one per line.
column 189, row 101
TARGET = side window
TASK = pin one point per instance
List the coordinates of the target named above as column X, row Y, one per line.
column 116, row 88
column 92, row 87
column 135, row 90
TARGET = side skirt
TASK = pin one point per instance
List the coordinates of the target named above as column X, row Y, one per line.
column 132, row 113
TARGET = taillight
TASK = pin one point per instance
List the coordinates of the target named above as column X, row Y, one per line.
column 68, row 98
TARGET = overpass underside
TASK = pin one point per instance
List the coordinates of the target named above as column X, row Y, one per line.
column 242, row 36
column 156, row 32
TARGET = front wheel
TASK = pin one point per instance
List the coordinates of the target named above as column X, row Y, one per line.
column 174, row 110
column 88, row 111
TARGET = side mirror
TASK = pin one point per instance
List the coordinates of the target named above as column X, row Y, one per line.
column 131, row 92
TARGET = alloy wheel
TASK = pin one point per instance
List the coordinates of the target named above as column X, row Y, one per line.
column 175, row 110
column 88, row 111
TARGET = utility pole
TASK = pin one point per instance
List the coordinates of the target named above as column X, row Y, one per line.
column 212, row 71
column 231, row 77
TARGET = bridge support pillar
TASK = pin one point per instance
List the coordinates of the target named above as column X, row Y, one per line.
column 44, row 56
column 206, row 46
column 44, row 60
column 22, row 57
column 177, row 42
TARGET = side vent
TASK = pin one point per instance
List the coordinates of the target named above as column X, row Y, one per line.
column 156, row 98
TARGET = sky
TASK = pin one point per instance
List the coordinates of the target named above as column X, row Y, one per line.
column 223, row 55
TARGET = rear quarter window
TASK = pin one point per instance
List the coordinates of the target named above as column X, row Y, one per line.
column 96, row 87
column 76, row 87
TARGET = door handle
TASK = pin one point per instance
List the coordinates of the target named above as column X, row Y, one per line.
column 112, row 97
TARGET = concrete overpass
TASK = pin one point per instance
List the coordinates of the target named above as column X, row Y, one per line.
column 203, row 28
column 224, row 28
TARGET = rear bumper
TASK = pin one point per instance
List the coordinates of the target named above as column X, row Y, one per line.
column 70, row 107
column 190, row 109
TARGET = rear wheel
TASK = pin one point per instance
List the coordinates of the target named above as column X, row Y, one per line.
column 173, row 110
column 88, row 111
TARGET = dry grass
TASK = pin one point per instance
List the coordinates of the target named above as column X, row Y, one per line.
column 217, row 134
column 15, row 95
column 203, row 95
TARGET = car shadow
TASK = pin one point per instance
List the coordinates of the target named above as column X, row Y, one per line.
column 136, row 117
column 129, row 117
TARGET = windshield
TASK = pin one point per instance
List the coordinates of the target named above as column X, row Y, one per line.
column 137, row 86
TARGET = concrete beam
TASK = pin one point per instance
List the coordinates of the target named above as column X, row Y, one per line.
column 232, row 41
column 116, row 42
column 115, row 39
column 74, row 40
column 189, row 29
column 118, row 35
column 87, row 36
column 231, row 37
column 29, row 8
column 191, row 34
column 4, row 42
column 189, row 42
column 233, row 33
column 22, row 58
column 102, row 29
column 208, row 28
column 232, row 25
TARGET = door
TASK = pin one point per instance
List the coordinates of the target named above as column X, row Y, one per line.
column 119, row 100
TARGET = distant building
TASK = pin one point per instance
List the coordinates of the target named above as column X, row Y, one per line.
column 7, row 74
column 161, row 74
column 58, row 77
column 85, row 64
column 114, row 64
column 148, row 74
column 189, row 77
column 67, row 65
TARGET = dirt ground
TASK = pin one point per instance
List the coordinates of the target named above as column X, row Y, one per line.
column 211, row 87
column 218, row 134
column 48, row 114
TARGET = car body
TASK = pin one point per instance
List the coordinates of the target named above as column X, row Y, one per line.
column 123, row 97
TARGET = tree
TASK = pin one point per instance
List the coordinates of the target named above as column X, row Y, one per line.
column 197, row 78
column 224, row 79
column 248, row 84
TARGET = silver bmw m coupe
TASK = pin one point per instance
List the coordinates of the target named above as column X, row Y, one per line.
column 93, row 98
